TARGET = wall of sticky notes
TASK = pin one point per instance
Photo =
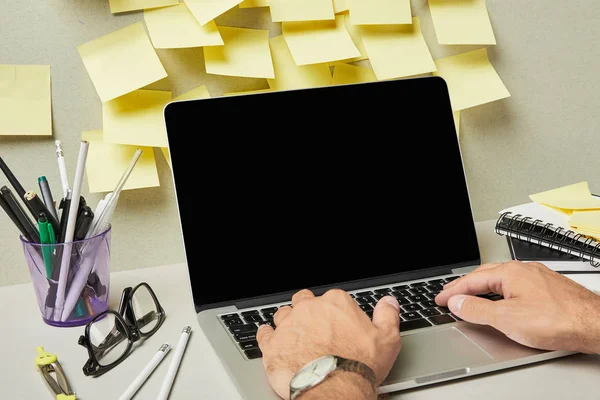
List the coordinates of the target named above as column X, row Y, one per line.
column 523, row 86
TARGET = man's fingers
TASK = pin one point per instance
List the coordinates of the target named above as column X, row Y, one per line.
column 281, row 314
column 301, row 295
column 263, row 335
column 386, row 315
column 477, row 282
column 474, row 309
column 480, row 268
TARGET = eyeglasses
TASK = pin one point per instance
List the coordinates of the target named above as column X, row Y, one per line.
column 110, row 336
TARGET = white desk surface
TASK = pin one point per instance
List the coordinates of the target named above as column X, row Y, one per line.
column 201, row 376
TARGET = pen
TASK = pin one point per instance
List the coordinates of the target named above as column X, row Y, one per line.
column 16, row 185
column 62, row 169
column 70, row 231
column 45, row 240
column 13, row 218
column 20, row 214
column 38, row 206
column 145, row 373
column 47, row 196
column 64, row 216
column 174, row 365
column 84, row 220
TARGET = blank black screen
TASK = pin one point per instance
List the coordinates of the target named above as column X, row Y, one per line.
column 314, row 187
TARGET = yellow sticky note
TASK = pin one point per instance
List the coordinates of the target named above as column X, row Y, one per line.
column 588, row 220
column 344, row 74
column 165, row 151
column 106, row 163
column 340, row 6
column 571, row 197
column 136, row 118
column 471, row 79
column 207, row 10
column 457, row 122
column 291, row 76
column 319, row 42
column 354, row 31
column 121, row 62
column 254, row 3
column 119, row 6
column 175, row 27
column 201, row 92
column 301, row 10
column 245, row 53
column 25, row 100
column 380, row 12
column 248, row 92
column 462, row 22
column 397, row 51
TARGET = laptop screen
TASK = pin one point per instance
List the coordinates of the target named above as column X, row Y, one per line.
column 300, row 189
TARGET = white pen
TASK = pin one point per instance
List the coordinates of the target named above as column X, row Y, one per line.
column 62, row 169
column 145, row 373
column 175, row 361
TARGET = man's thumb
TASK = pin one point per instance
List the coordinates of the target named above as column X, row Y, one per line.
column 473, row 309
column 386, row 315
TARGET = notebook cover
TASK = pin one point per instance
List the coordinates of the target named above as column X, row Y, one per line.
column 523, row 250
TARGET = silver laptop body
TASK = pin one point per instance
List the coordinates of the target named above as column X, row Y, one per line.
column 330, row 195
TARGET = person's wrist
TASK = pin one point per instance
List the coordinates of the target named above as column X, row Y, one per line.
column 589, row 328
column 341, row 385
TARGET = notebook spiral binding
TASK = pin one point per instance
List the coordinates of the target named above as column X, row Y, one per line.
column 560, row 239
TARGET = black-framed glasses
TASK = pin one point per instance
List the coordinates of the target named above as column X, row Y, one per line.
column 110, row 336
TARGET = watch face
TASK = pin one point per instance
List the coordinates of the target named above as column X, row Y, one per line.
column 313, row 373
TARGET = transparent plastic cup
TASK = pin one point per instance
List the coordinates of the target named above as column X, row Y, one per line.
column 87, row 283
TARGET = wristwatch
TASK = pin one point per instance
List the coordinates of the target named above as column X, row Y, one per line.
column 317, row 370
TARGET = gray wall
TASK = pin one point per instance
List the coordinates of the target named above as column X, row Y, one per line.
column 542, row 137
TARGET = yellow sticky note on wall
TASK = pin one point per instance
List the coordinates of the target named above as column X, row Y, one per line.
column 207, row 10
column 119, row 6
column 254, row 3
column 354, row 31
column 397, row 51
column 291, row 76
column 165, row 151
column 319, row 42
column 380, row 12
column 344, row 74
column 340, row 6
column 462, row 22
column 175, row 27
column 457, row 122
column 201, row 92
column 107, row 161
column 121, row 62
column 248, row 92
column 136, row 118
column 25, row 100
column 571, row 197
column 301, row 10
column 471, row 79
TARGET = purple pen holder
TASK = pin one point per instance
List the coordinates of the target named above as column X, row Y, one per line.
column 70, row 280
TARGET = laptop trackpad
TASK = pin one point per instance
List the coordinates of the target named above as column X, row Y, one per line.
column 436, row 352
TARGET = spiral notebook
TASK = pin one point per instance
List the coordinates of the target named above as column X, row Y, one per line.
column 538, row 233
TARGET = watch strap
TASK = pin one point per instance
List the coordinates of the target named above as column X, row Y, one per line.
column 357, row 367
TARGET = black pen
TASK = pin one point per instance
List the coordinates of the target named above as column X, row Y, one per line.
column 83, row 223
column 16, row 185
column 64, row 216
column 14, row 218
column 38, row 205
column 20, row 214
column 47, row 196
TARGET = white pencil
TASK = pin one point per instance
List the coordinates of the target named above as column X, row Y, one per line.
column 62, row 169
column 141, row 378
column 174, row 366
column 70, row 231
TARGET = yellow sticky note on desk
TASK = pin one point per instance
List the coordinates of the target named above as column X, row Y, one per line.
column 119, row 6
column 121, row 62
column 586, row 220
column 319, row 42
column 344, row 74
column 380, row 12
column 175, row 27
column 288, row 75
column 245, row 53
column 136, row 118
column 201, row 92
column 207, row 10
column 301, row 10
column 569, row 198
column 254, row 3
column 471, row 79
column 397, row 51
column 25, row 100
column 462, row 22
column 107, row 161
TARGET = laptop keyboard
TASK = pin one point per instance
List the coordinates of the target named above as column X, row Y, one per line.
column 417, row 310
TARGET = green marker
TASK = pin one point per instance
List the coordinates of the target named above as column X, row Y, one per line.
column 46, row 238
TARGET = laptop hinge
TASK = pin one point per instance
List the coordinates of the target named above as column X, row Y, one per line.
column 385, row 280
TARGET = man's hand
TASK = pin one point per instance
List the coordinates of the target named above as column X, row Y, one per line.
column 332, row 324
column 541, row 308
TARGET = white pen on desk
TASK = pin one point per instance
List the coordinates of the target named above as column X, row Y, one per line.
column 145, row 373
column 174, row 365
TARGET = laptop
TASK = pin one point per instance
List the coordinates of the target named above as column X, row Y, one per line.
column 359, row 187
